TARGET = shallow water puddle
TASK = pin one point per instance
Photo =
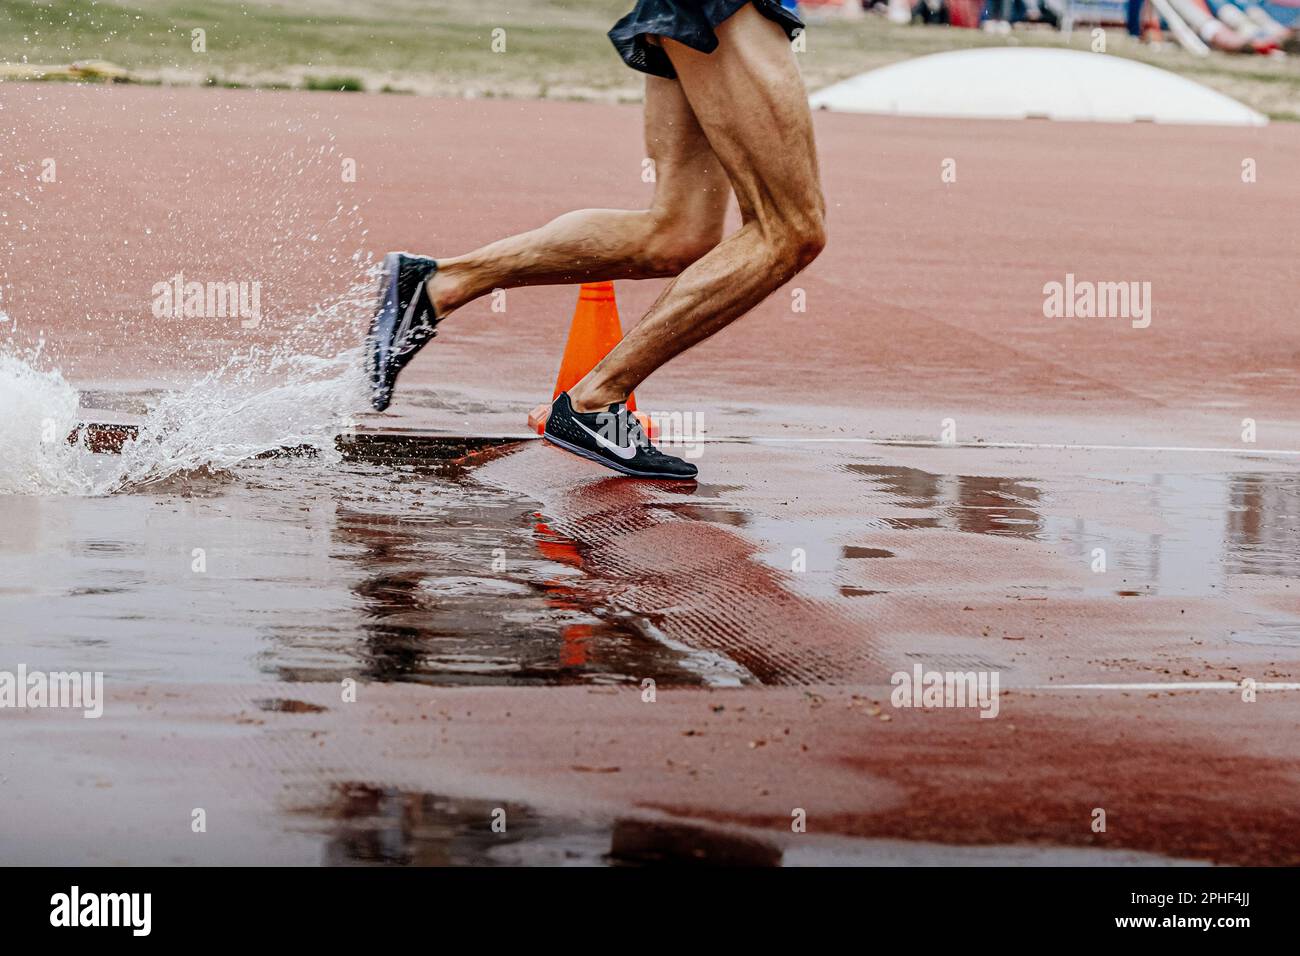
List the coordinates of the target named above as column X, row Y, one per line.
column 363, row 824
column 302, row 568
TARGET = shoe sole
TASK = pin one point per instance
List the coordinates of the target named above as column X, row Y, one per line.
column 387, row 281
column 602, row 460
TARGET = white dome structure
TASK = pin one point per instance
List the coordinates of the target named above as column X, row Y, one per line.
column 1009, row 83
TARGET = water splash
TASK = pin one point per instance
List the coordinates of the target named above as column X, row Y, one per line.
column 259, row 401
column 39, row 411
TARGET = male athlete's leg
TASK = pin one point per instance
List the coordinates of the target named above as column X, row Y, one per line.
column 683, row 222
column 750, row 101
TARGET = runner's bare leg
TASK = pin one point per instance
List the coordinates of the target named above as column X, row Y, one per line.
column 684, row 221
column 750, row 101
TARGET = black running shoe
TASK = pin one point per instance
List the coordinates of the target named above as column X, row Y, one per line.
column 404, row 321
column 613, row 438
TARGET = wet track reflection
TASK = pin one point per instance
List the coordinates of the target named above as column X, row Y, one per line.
column 1211, row 527
column 302, row 570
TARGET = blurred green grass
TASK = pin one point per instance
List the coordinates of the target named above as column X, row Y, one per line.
column 554, row 48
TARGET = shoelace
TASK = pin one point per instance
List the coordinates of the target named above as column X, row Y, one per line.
column 424, row 328
column 417, row 335
column 637, row 435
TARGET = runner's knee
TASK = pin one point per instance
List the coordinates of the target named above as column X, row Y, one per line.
column 810, row 240
column 677, row 241
column 796, row 240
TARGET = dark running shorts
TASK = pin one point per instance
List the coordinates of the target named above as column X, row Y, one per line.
column 687, row 21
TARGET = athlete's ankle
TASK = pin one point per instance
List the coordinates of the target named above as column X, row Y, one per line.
column 444, row 291
column 588, row 399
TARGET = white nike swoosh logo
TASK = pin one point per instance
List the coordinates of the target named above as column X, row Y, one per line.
column 627, row 454
column 404, row 327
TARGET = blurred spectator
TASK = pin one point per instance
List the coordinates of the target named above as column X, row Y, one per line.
column 997, row 19
column 1248, row 26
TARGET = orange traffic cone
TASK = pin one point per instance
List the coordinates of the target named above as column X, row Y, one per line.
column 594, row 333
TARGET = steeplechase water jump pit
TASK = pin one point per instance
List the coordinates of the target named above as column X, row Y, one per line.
column 240, row 531
column 242, row 528
column 240, row 543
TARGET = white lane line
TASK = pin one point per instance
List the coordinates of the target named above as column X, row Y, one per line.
column 1045, row 446
column 1174, row 685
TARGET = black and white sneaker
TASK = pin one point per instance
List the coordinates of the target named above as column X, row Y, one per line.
column 404, row 321
column 614, row 438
